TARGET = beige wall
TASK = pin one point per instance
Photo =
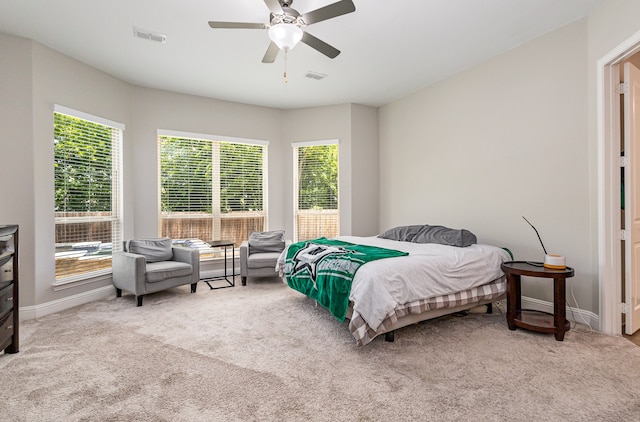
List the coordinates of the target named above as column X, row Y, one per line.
column 57, row 79
column 355, row 126
column 505, row 139
column 609, row 25
column 364, row 170
column 155, row 109
column 486, row 146
column 513, row 136
column 33, row 78
column 320, row 124
column 17, row 169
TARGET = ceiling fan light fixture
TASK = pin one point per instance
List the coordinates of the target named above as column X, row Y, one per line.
column 285, row 35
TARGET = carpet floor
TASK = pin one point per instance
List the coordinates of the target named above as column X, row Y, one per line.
column 266, row 353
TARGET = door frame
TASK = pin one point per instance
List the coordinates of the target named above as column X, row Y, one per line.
column 608, row 151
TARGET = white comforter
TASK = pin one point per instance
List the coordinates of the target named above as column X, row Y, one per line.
column 429, row 270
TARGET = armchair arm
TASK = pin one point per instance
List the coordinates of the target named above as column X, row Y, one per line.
column 129, row 272
column 190, row 256
column 244, row 255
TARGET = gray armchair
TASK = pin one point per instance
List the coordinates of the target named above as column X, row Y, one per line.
column 151, row 265
column 259, row 254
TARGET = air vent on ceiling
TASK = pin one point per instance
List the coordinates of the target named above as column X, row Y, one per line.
column 315, row 75
column 149, row 35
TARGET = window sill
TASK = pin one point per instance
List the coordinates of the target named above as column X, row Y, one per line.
column 70, row 282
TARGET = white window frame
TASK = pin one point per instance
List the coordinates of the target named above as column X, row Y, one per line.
column 216, row 214
column 295, row 146
column 117, row 210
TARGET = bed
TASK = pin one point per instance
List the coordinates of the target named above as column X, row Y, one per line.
column 424, row 281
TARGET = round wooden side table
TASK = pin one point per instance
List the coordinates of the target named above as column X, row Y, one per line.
column 542, row 322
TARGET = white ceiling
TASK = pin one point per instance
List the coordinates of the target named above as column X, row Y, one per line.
column 389, row 48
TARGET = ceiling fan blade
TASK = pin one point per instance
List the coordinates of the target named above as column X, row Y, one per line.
column 237, row 25
column 331, row 11
column 274, row 6
column 272, row 52
column 320, row 45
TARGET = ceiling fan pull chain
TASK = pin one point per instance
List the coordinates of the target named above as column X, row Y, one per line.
column 286, row 79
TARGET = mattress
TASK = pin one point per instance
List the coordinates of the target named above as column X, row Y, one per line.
column 431, row 277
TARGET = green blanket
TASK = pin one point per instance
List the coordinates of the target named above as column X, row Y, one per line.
column 323, row 269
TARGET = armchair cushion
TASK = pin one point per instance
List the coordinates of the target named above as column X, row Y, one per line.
column 153, row 250
column 263, row 259
column 159, row 271
column 266, row 242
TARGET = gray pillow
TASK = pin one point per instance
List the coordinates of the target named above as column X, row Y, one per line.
column 445, row 236
column 271, row 241
column 154, row 250
column 401, row 233
column 431, row 234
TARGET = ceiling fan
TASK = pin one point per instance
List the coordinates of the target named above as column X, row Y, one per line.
column 285, row 26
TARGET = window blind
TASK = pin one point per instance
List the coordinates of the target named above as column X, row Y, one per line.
column 211, row 189
column 316, row 191
column 86, row 195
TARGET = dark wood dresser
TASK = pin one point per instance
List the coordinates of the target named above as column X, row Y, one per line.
column 9, row 288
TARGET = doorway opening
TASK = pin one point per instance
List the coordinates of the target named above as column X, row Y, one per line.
column 610, row 217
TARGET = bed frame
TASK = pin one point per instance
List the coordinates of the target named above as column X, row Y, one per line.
column 389, row 333
column 436, row 309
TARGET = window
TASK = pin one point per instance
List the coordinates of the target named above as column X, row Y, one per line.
column 87, row 199
column 211, row 189
column 316, row 190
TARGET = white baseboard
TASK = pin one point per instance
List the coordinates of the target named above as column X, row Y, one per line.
column 573, row 314
column 37, row 311
column 30, row 312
